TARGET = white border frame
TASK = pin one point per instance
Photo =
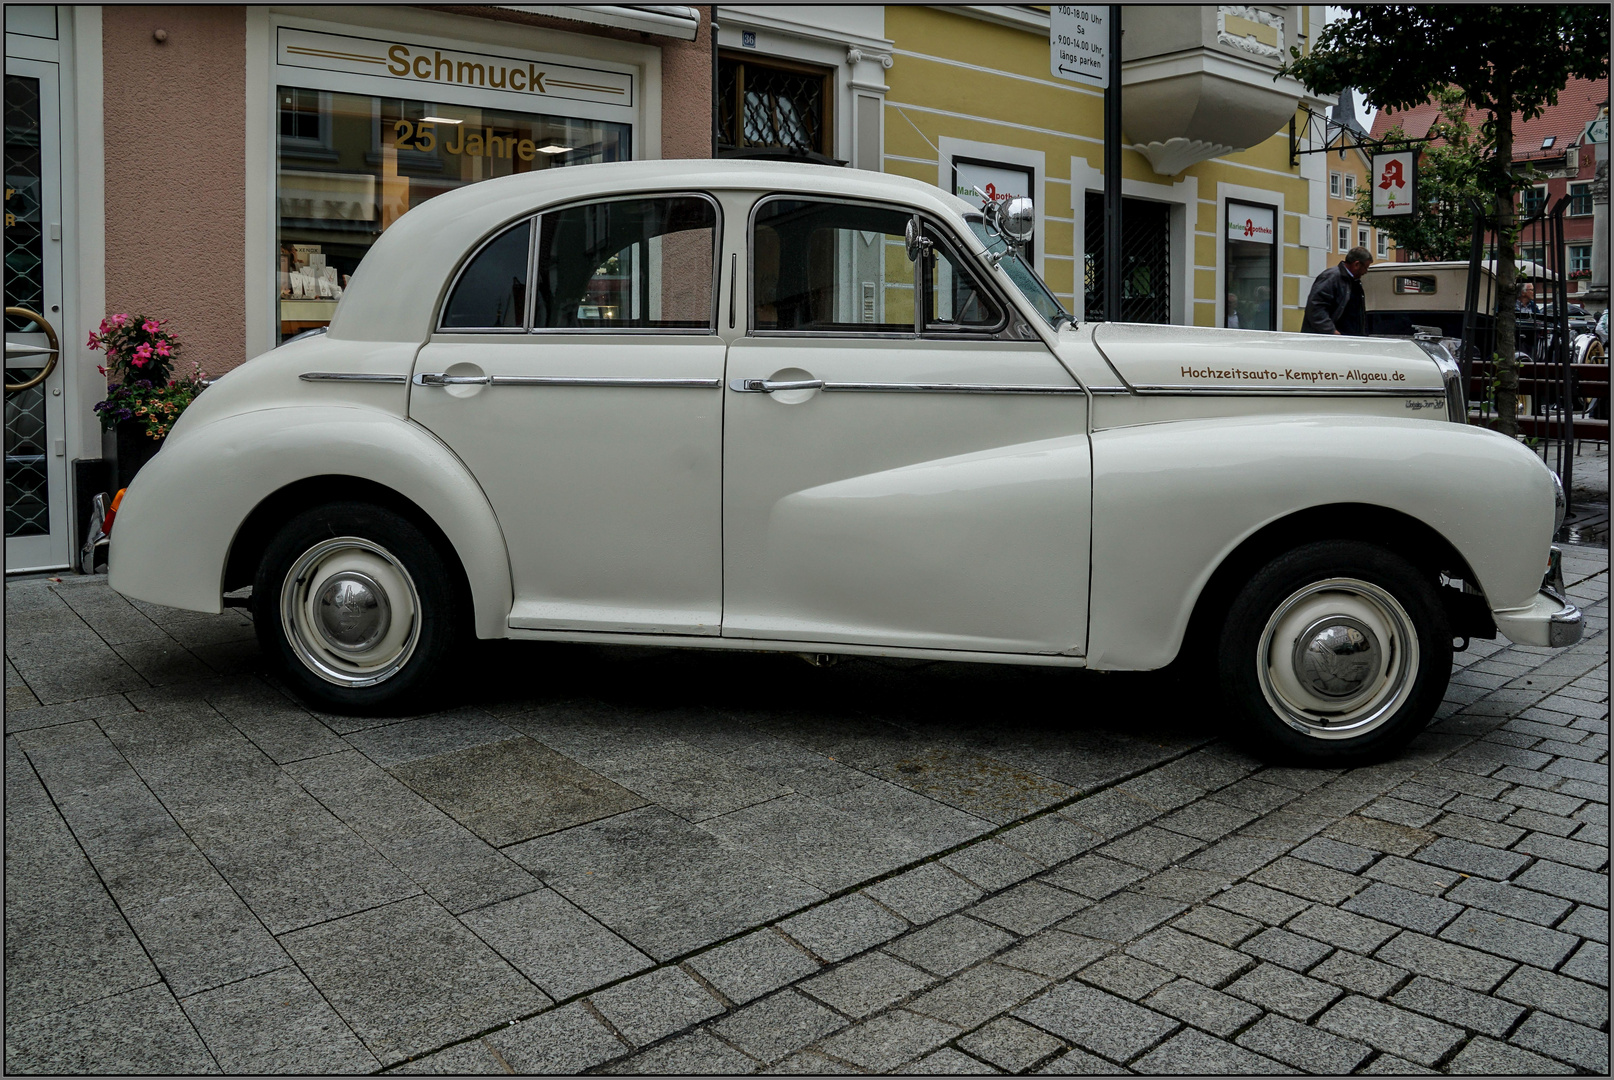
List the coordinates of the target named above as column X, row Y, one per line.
column 1260, row 197
column 1011, row 156
column 1183, row 199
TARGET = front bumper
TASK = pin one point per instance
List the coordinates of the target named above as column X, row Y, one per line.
column 1550, row 620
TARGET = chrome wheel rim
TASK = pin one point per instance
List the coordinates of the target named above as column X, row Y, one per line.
column 350, row 611
column 1338, row 658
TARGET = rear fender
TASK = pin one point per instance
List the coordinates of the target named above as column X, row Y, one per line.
column 181, row 514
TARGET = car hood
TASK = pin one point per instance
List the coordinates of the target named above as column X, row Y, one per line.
column 1186, row 358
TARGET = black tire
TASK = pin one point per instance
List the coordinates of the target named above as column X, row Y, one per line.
column 372, row 550
column 1377, row 665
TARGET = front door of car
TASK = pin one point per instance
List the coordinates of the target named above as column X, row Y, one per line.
column 920, row 483
column 577, row 373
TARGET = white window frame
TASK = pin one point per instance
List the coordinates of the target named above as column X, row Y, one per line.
column 1383, row 244
column 1363, row 236
column 1350, row 185
column 1344, row 235
column 1570, row 191
column 1580, row 257
column 1333, row 185
column 1328, row 237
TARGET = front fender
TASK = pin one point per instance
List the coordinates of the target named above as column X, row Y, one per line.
column 180, row 515
column 1172, row 501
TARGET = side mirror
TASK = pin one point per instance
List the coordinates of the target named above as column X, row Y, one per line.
column 913, row 235
column 1018, row 220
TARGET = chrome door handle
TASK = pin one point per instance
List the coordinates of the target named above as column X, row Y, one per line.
column 439, row 378
column 768, row 386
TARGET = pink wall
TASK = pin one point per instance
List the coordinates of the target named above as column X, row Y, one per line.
column 176, row 173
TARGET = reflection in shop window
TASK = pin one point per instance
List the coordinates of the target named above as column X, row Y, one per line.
column 1251, row 267
column 351, row 164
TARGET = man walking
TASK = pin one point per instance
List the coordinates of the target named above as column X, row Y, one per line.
column 1336, row 305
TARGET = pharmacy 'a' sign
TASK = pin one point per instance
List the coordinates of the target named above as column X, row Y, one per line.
column 1395, row 184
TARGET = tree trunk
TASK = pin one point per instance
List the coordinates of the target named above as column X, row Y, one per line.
column 1507, row 278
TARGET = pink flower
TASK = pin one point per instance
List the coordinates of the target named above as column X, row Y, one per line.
column 104, row 326
column 150, row 326
column 93, row 343
column 163, row 349
column 138, row 362
column 119, row 320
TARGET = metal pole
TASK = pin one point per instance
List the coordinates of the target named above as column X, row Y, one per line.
column 1566, row 451
column 1112, row 173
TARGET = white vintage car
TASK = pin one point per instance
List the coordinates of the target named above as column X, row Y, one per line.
column 814, row 410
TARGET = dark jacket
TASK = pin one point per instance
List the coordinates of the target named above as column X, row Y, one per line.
column 1336, row 304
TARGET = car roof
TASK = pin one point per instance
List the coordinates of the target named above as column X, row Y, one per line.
column 396, row 291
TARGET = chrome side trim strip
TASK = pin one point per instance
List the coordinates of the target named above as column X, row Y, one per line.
column 352, row 376
column 948, row 388
column 438, row 378
column 1299, row 391
column 560, row 380
column 763, row 386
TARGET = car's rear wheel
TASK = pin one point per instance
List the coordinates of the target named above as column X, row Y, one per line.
column 355, row 604
column 1335, row 653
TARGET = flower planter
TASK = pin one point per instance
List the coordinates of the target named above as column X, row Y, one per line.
column 135, row 448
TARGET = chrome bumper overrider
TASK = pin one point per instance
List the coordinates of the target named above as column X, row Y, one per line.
column 1550, row 620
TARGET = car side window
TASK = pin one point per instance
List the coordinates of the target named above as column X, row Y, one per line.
column 627, row 264
column 955, row 300
column 827, row 266
column 491, row 293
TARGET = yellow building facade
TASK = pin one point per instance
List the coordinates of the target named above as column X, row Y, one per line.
column 1348, row 171
column 1222, row 227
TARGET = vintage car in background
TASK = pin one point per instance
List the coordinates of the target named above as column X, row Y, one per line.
column 824, row 411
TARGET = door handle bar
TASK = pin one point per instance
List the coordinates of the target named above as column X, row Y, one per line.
column 439, row 378
column 768, row 386
column 20, row 350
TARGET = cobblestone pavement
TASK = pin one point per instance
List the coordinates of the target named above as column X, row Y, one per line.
column 628, row 861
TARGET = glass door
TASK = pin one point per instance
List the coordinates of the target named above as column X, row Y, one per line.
column 37, row 529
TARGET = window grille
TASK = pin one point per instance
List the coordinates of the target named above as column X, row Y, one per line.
column 1145, row 260
column 774, row 106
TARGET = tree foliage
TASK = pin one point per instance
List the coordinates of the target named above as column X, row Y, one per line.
column 1507, row 59
column 1449, row 181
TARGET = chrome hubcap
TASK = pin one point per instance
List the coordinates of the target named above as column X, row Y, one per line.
column 1338, row 658
column 350, row 611
column 353, row 613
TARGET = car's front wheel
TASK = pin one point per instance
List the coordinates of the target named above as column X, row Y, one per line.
column 1335, row 653
column 355, row 605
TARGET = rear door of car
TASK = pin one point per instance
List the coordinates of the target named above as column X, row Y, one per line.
column 915, row 483
column 577, row 372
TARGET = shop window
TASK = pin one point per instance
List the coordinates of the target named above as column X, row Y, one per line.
column 1251, row 266
column 627, row 264
column 1145, row 260
column 1580, row 200
column 835, row 267
column 491, row 292
column 773, row 105
column 349, row 165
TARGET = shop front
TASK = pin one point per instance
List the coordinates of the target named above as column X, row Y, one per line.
column 369, row 125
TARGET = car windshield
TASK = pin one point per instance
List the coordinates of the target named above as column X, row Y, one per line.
column 1024, row 278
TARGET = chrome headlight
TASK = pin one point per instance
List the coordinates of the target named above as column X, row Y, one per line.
column 1451, row 376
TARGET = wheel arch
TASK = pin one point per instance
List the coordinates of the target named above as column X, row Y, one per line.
column 1431, row 553
column 253, row 535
